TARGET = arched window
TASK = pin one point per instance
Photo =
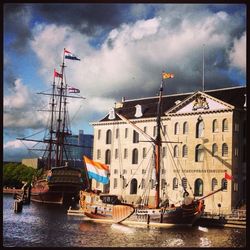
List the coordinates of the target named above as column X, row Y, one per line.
column 133, row 186
column 199, row 153
column 107, row 156
column 198, row 187
column 215, row 126
column 224, row 150
column 108, row 137
column 184, row 151
column 224, row 125
column 175, row 183
column 214, row 150
column 199, row 129
column 224, row 184
column 214, row 184
column 184, row 182
column 176, row 128
column 185, row 128
column 176, row 151
column 135, row 156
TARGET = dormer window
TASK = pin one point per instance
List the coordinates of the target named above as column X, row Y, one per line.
column 139, row 110
column 111, row 114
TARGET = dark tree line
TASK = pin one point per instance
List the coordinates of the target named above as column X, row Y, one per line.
column 15, row 173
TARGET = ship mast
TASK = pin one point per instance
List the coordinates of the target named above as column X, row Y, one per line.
column 157, row 147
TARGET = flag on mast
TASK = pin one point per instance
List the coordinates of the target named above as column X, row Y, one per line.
column 56, row 74
column 228, row 177
column 69, row 55
column 166, row 75
column 97, row 170
column 73, row 90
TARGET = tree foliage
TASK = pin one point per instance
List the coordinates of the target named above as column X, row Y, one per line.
column 14, row 174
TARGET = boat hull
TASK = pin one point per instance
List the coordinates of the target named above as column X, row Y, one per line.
column 126, row 213
column 61, row 187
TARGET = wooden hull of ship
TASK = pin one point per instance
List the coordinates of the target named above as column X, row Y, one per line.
column 165, row 217
column 60, row 196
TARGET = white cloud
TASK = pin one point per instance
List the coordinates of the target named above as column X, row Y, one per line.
column 238, row 53
column 20, row 108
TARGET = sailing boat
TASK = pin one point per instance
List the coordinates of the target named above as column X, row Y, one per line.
column 60, row 182
column 160, row 212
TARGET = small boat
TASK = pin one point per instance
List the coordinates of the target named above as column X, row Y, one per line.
column 60, row 182
column 158, row 212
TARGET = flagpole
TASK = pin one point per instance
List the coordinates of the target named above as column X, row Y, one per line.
column 203, row 82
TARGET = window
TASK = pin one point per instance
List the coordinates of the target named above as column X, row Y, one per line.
column 176, row 151
column 133, row 186
column 154, row 131
column 214, row 184
column 144, row 153
column 198, row 187
column 184, row 151
column 135, row 137
column 236, row 127
column 175, row 183
column 125, row 153
column 108, row 137
column 176, row 128
column 164, row 129
column 163, row 183
column 124, row 183
column 236, row 152
column 115, row 171
column 116, row 153
column 224, row 125
column 117, row 133
column 164, row 152
column 143, row 183
column 124, row 171
column 107, row 156
column 185, row 128
column 224, row 150
column 135, row 156
column 98, row 154
column 184, row 182
column 199, row 153
column 224, row 184
column 115, row 183
column 99, row 134
column 215, row 126
column 152, row 183
column 126, row 132
column 145, row 129
column 143, row 171
column 214, row 150
column 199, row 129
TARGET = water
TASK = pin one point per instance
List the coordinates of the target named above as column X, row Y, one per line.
column 42, row 226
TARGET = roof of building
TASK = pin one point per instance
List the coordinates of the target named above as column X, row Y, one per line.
column 233, row 96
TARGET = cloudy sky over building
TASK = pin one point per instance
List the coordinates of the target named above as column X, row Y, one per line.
column 123, row 50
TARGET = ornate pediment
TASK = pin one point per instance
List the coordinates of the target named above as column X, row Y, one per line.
column 197, row 102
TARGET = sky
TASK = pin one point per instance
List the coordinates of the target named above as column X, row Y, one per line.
column 123, row 50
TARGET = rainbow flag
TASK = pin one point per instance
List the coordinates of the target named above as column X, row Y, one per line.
column 97, row 170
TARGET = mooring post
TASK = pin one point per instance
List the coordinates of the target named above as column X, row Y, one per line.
column 148, row 219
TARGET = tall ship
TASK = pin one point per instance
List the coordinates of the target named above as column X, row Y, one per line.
column 60, row 181
column 96, row 205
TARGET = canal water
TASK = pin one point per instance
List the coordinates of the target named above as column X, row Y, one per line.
column 45, row 226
